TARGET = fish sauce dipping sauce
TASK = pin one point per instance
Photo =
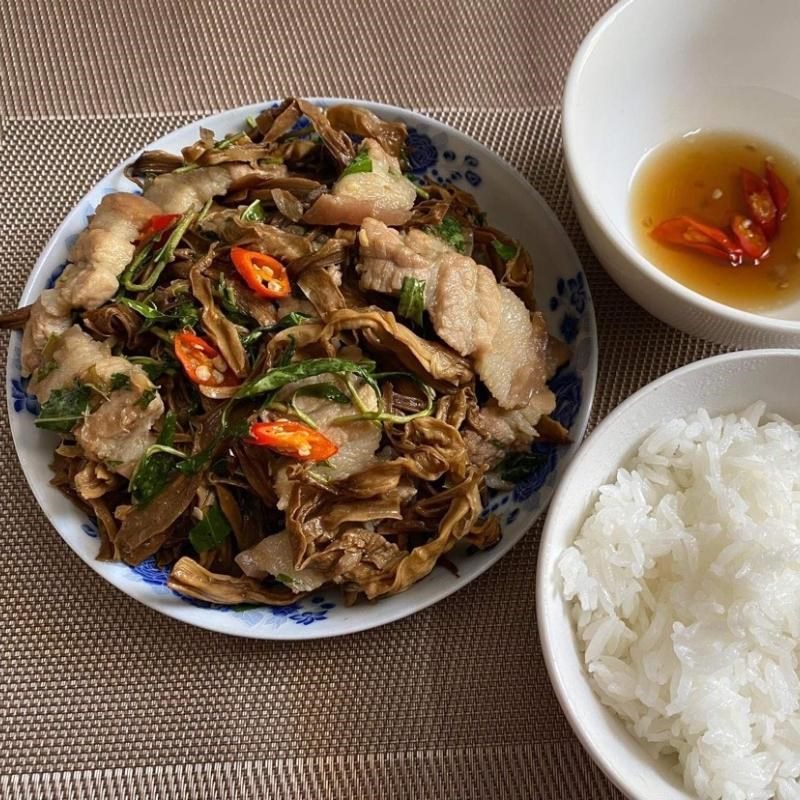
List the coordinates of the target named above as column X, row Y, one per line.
column 648, row 74
column 719, row 212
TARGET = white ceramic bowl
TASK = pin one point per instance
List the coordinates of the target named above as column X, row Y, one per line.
column 449, row 157
column 650, row 71
column 721, row 384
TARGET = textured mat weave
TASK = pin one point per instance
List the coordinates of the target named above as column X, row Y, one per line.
column 103, row 698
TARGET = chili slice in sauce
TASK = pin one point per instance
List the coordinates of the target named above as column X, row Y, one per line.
column 760, row 204
column 689, row 232
column 751, row 237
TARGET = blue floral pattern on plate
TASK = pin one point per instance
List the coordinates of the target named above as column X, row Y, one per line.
column 90, row 529
column 571, row 295
column 23, row 401
column 423, row 157
column 303, row 612
column 305, row 615
column 149, row 572
column 434, row 153
column 51, row 281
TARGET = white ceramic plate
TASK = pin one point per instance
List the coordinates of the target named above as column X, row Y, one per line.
column 721, row 384
column 448, row 157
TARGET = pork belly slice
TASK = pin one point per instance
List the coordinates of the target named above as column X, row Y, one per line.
column 100, row 253
column 120, row 429
column 468, row 309
column 185, row 191
column 383, row 193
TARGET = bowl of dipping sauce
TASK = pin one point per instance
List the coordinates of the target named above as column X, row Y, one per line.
column 681, row 130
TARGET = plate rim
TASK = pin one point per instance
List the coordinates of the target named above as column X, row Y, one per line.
column 217, row 622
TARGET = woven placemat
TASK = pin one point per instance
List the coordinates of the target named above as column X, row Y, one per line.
column 453, row 701
column 103, row 698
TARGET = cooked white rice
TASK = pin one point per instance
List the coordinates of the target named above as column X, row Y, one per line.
column 685, row 583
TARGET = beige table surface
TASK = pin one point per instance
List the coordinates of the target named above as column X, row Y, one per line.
column 103, row 698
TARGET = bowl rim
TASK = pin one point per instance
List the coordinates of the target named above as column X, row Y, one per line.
column 546, row 562
column 595, row 209
column 217, row 623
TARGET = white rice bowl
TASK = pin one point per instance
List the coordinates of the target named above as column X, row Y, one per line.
column 685, row 590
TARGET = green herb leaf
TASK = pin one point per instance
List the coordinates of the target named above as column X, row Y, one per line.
column 251, row 121
column 147, row 310
column 380, row 415
column 204, row 210
column 291, row 319
column 288, row 353
column 167, row 251
column 505, row 251
column 324, row 390
column 417, row 184
column 254, row 212
column 154, row 368
column 194, row 464
column 199, row 461
column 185, row 314
column 151, row 473
column 450, row 231
column 154, row 467
column 227, row 299
column 281, row 375
column 64, row 408
column 224, row 144
column 412, row 300
column 516, row 466
column 119, row 380
column 211, row 531
column 361, row 163
column 163, row 256
column 45, row 370
column 167, row 435
column 140, row 260
column 148, row 395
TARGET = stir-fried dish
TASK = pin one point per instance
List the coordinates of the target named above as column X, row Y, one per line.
column 288, row 363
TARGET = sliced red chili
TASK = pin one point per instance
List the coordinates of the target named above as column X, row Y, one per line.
column 688, row 232
column 292, row 439
column 778, row 190
column 158, row 224
column 751, row 237
column 759, row 201
column 265, row 275
column 202, row 362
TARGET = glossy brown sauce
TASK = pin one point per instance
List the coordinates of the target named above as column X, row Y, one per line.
column 699, row 175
